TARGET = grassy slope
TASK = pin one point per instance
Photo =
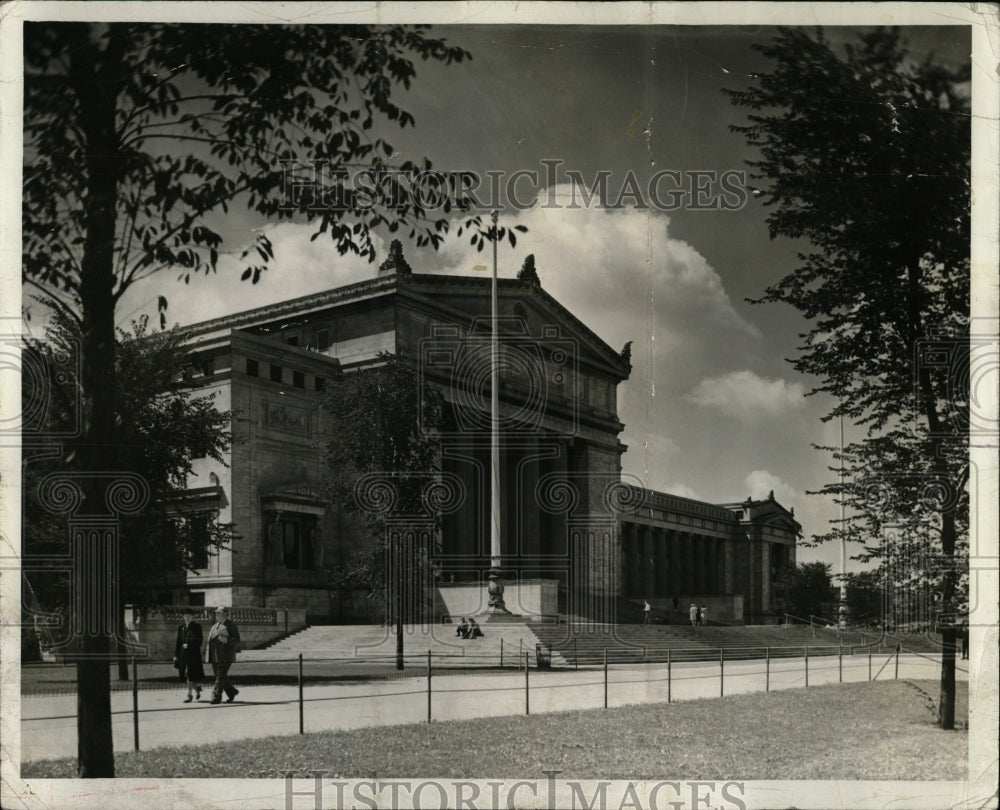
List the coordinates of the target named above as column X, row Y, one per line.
column 878, row 731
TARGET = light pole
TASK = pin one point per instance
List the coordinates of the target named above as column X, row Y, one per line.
column 842, row 607
column 495, row 587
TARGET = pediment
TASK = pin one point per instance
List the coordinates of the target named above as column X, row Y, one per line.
column 525, row 310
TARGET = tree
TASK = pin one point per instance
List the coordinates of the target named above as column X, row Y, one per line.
column 864, row 155
column 161, row 428
column 804, row 591
column 138, row 138
column 382, row 453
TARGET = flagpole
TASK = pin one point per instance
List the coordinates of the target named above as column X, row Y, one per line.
column 842, row 611
column 495, row 583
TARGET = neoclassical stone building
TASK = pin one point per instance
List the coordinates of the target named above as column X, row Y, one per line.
column 577, row 538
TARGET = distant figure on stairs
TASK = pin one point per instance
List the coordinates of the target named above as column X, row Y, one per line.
column 474, row 631
column 704, row 615
column 677, row 604
column 646, row 610
column 693, row 614
column 462, row 631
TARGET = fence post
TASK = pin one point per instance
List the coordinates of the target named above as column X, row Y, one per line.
column 722, row 673
column 501, row 652
column 668, row 675
column 840, row 665
column 806, row 648
column 576, row 657
column 605, row 678
column 520, row 644
column 302, row 728
column 896, row 676
column 135, row 702
column 429, row 682
column 527, row 699
column 767, row 665
column 869, row 663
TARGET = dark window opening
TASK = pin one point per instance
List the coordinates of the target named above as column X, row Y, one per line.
column 292, row 340
column 298, row 379
column 323, row 339
column 253, row 369
column 320, row 383
column 196, row 599
column 276, row 374
column 291, row 541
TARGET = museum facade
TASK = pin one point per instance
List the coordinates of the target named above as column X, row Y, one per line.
column 578, row 537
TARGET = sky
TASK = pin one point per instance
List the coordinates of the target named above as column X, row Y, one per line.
column 713, row 409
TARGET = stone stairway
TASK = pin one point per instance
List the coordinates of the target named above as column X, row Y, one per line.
column 585, row 644
column 375, row 642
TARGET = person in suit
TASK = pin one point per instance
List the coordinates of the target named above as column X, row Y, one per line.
column 474, row 630
column 187, row 655
column 223, row 641
column 463, row 629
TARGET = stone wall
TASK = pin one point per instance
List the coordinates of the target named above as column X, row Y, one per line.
column 158, row 628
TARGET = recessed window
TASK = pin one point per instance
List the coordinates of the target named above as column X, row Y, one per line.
column 322, row 339
column 298, row 379
column 276, row 374
column 253, row 368
column 292, row 340
column 320, row 383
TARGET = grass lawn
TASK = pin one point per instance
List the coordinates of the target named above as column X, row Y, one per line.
column 867, row 731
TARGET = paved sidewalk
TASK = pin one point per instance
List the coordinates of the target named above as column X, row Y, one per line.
column 48, row 724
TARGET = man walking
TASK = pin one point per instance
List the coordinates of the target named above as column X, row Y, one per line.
column 646, row 610
column 223, row 641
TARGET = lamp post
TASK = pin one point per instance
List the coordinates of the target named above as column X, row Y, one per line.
column 495, row 587
column 842, row 607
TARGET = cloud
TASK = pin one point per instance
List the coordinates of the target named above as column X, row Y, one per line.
column 760, row 483
column 683, row 491
column 746, row 397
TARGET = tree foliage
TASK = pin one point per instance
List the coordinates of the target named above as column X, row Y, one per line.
column 804, row 591
column 863, row 153
column 381, row 453
column 161, row 427
column 138, row 141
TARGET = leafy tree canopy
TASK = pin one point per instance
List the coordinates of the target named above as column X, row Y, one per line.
column 863, row 153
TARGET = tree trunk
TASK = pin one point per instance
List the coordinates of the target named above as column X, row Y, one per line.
column 946, row 703
column 96, row 76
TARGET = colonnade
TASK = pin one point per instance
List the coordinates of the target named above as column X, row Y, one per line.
column 662, row 562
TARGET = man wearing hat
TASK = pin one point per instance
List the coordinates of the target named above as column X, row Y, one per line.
column 222, row 643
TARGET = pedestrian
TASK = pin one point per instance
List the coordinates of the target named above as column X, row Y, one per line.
column 693, row 614
column 474, row 629
column 704, row 615
column 223, row 640
column 677, row 604
column 462, row 631
column 187, row 655
column 646, row 610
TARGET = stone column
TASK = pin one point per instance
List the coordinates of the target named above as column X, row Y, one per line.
column 710, row 567
column 674, row 553
column 626, row 565
column 698, row 547
column 687, row 565
column 660, row 550
column 648, row 569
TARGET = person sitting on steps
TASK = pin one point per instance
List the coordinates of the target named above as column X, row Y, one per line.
column 462, row 631
column 474, row 630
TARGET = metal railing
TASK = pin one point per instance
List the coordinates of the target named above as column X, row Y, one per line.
column 423, row 671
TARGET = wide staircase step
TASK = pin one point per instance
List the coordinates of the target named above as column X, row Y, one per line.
column 588, row 644
column 500, row 642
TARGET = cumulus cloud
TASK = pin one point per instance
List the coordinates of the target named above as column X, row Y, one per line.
column 683, row 491
column 760, row 483
column 747, row 397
